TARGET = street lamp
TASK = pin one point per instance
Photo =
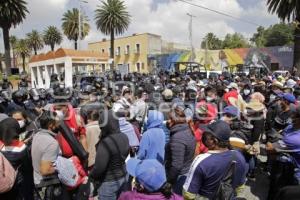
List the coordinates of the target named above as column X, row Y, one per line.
column 79, row 21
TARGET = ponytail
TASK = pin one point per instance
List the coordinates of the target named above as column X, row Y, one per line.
column 166, row 190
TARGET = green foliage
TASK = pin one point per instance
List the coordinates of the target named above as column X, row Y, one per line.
column 35, row 41
column 52, row 36
column 276, row 35
column 13, row 41
column 23, row 50
column 285, row 9
column 12, row 12
column 112, row 16
column 235, row 40
column 70, row 25
column 211, row 42
column 289, row 10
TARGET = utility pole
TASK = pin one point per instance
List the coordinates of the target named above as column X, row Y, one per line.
column 80, row 23
column 192, row 58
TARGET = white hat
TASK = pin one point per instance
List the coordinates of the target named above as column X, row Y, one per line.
column 233, row 85
column 290, row 83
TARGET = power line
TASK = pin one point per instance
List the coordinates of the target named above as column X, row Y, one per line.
column 220, row 13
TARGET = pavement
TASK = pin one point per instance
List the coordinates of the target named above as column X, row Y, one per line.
column 257, row 189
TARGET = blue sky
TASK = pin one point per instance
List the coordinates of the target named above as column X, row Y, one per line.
column 165, row 17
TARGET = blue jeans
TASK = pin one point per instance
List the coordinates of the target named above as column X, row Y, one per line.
column 112, row 189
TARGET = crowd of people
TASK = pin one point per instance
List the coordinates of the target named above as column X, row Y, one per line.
column 164, row 136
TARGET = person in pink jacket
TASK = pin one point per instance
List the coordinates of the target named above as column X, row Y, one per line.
column 150, row 181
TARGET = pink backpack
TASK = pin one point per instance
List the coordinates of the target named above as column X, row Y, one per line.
column 7, row 174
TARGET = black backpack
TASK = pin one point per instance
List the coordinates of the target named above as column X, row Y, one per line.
column 225, row 190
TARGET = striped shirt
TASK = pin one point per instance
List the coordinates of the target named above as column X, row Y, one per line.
column 208, row 169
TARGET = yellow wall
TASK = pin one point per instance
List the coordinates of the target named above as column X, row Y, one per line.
column 132, row 58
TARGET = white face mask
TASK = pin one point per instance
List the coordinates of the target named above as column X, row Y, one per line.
column 209, row 99
column 60, row 114
column 21, row 123
column 247, row 92
column 272, row 97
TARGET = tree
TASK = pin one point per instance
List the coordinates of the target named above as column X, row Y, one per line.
column 112, row 18
column 23, row 50
column 276, row 35
column 12, row 42
column 52, row 36
column 289, row 10
column 12, row 13
column 35, row 41
column 259, row 37
column 211, row 42
column 235, row 40
column 70, row 25
column 279, row 35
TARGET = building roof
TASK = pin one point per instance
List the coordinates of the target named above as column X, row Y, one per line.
column 133, row 35
column 60, row 53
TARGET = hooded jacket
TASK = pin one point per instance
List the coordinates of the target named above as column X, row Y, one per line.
column 180, row 151
column 152, row 145
column 112, row 150
column 134, row 195
column 128, row 129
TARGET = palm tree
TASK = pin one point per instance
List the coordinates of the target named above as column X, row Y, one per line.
column 13, row 41
column 23, row 50
column 112, row 18
column 52, row 36
column 12, row 13
column 70, row 25
column 289, row 10
column 35, row 41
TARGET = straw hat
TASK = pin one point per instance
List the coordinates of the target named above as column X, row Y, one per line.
column 255, row 105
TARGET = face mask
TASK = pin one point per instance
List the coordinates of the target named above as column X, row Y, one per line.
column 21, row 123
column 247, row 92
column 36, row 98
column 272, row 97
column 60, row 114
column 209, row 99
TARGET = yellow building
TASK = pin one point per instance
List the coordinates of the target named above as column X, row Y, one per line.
column 131, row 53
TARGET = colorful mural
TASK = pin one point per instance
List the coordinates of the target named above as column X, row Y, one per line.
column 218, row 59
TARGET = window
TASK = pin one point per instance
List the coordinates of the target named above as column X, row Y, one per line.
column 127, row 50
column 118, row 51
column 137, row 48
column 138, row 67
column 109, row 51
column 103, row 50
column 103, row 67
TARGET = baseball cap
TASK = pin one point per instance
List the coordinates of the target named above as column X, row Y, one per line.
column 233, row 85
column 219, row 129
column 231, row 110
column 150, row 173
column 288, row 97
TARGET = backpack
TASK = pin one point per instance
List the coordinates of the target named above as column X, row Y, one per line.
column 225, row 190
column 7, row 174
